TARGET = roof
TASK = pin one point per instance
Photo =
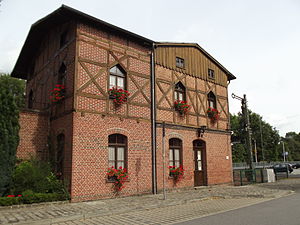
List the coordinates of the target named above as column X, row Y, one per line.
column 195, row 45
column 66, row 13
column 59, row 16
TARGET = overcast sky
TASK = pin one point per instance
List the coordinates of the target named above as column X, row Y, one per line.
column 256, row 40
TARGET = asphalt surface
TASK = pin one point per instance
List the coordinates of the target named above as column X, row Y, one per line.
column 282, row 211
column 180, row 206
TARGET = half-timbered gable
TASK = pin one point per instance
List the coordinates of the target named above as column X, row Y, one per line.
column 200, row 74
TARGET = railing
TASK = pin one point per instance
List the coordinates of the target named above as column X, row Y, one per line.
column 259, row 164
column 247, row 176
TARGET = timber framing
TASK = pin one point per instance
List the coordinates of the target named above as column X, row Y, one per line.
column 196, row 98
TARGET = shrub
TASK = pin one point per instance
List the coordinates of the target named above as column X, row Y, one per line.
column 36, row 176
column 29, row 197
column 6, row 201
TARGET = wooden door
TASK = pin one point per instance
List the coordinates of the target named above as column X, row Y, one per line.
column 199, row 159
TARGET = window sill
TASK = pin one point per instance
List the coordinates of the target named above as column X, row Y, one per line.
column 113, row 181
column 172, row 178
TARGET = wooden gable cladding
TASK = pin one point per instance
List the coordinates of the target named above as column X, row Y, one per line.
column 196, row 96
column 97, row 52
column 195, row 62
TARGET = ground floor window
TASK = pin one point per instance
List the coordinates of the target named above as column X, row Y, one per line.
column 175, row 152
column 117, row 151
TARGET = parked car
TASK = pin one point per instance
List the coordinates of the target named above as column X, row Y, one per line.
column 296, row 165
column 282, row 167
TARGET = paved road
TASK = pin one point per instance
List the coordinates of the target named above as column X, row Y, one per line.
column 152, row 209
column 282, row 211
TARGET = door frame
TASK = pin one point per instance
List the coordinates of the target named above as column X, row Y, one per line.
column 197, row 173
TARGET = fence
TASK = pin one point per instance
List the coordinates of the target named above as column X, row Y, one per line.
column 244, row 165
column 247, row 176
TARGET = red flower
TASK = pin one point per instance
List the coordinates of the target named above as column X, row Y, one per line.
column 181, row 106
column 10, row 196
column 120, row 96
column 213, row 114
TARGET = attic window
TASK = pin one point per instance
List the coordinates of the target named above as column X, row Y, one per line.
column 211, row 74
column 63, row 39
column 179, row 62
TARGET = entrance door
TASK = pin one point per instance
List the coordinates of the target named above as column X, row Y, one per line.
column 200, row 163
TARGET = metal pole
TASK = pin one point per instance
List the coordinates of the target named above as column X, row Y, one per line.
column 164, row 158
column 255, row 150
column 247, row 127
column 283, row 151
column 153, row 123
column 262, row 143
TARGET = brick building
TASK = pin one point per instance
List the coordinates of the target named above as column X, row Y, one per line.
column 86, row 132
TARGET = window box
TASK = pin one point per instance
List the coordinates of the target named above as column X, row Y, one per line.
column 181, row 106
column 58, row 93
column 119, row 96
column 213, row 114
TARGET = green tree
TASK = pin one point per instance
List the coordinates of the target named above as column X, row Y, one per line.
column 292, row 146
column 11, row 99
column 270, row 138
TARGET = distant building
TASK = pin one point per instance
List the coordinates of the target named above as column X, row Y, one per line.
column 86, row 132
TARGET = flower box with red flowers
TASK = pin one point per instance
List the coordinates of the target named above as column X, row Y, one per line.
column 119, row 96
column 58, row 93
column 213, row 114
column 117, row 176
column 181, row 106
column 176, row 172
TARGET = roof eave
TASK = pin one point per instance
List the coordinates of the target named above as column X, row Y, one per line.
column 65, row 13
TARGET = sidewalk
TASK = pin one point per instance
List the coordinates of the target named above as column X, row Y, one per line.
column 202, row 201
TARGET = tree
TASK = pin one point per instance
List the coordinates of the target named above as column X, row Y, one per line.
column 11, row 99
column 292, row 146
column 270, row 138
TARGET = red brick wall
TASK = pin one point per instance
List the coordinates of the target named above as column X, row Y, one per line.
column 63, row 125
column 97, row 117
column 219, row 167
column 33, row 135
column 90, row 156
column 217, row 139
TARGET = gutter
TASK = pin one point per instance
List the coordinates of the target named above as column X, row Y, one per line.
column 153, row 122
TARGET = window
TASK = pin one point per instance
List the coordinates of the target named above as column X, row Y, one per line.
column 175, row 146
column 60, row 155
column 211, row 74
column 117, row 151
column 198, row 148
column 179, row 62
column 62, row 74
column 117, row 77
column 63, row 39
column 211, row 98
column 30, row 100
column 180, row 92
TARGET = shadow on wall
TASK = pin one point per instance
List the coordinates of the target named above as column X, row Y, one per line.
column 33, row 135
column 138, row 166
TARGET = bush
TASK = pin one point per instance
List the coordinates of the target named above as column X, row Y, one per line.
column 36, row 176
column 6, row 201
column 29, row 197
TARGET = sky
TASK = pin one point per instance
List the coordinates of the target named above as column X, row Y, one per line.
column 256, row 40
